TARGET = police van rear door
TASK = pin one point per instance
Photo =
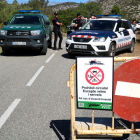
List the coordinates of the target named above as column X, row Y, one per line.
column 127, row 33
column 120, row 38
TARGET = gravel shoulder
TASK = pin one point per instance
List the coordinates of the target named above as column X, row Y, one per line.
column 136, row 52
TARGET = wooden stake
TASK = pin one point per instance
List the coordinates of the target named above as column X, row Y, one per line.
column 120, row 59
column 112, row 120
column 92, row 119
column 132, row 126
column 104, row 132
column 72, row 101
column 114, row 65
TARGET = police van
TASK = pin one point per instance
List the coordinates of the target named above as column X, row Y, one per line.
column 28, row 29
column 71, row 27
column 103, row 36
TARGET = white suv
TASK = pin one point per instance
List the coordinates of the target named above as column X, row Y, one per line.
column 103, row 36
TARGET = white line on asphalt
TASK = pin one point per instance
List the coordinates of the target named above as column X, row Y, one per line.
column 50, row 58
column 56, row 51
column 8, row 112
column 35, row 76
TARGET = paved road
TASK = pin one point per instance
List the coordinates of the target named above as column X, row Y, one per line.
column 34, row 98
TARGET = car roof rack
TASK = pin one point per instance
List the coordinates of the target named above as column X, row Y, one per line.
column 29, row 11
column 109, row 16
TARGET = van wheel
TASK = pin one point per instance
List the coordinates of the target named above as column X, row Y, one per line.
column 112, row 49
column 132, row 47
column 50, row 42
column 43, row 50
column 5, row 51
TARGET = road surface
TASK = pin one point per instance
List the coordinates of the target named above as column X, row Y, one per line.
column 35, row 100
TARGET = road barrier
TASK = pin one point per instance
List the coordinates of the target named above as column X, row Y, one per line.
column 95, row 130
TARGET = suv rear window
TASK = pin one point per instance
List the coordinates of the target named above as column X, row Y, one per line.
column 25, row 19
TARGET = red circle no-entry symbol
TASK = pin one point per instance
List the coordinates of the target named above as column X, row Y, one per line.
column 125, row 106
column 94, row 76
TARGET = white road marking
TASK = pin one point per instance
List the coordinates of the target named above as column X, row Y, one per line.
column 35, row 76
column 8, row 112
column 50, row 58
column 56, row 51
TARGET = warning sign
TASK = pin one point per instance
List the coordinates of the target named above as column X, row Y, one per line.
column 94, row 82
column 127, row 90
column 94, row 76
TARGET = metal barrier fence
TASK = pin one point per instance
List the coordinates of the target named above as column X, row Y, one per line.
column 92, row 131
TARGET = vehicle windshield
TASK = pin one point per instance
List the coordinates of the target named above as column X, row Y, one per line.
column 25, row 19
column 105, row 25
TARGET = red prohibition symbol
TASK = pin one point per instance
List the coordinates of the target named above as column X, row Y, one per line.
column 94, row 76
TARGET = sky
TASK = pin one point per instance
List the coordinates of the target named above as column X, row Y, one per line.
column 50, row 1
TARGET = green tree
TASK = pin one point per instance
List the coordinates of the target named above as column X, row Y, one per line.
column 15, row 2
column 66, row 16
column 115, row 10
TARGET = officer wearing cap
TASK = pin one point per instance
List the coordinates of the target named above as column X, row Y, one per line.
column 92, row 17
column 56, row 28
column 78, row 22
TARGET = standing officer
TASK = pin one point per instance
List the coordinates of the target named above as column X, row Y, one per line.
column 78, row 22
column 56, row 28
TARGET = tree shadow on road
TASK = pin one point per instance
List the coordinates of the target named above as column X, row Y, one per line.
column 62, row 127
column 67, row 56
column 22, row 53
column 122, row 52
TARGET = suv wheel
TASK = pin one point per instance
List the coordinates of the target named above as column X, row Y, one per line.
column 132, row 47
column 112, row 49
column 43, row 50
column 5, row 51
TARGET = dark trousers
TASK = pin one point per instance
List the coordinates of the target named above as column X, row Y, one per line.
column 56, row 34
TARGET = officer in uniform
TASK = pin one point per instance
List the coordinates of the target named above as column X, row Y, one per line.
column 78, row 22
column 56, row 28
column 92, row 17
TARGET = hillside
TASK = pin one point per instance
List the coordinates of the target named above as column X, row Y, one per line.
column 63, row 6
column 130, row 8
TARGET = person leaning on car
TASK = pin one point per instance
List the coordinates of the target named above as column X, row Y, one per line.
column 77, row 22
column 56, row 28
column 92, row 17
column 134, row 25
column 83, row 21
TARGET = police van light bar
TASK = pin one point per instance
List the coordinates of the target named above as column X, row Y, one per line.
column 109, row 16
column 29, row 11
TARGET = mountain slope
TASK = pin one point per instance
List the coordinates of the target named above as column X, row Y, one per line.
column 130, row 8
column 64, row 6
